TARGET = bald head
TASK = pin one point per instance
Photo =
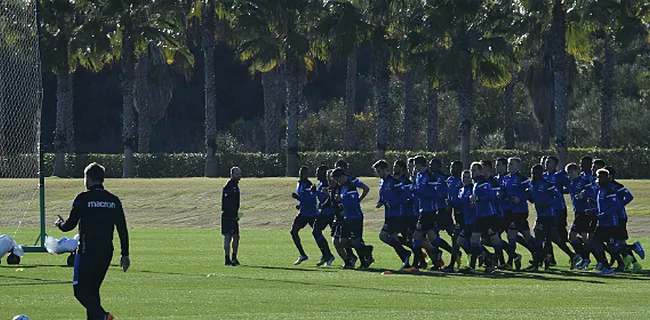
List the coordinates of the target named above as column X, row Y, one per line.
column 235, row 173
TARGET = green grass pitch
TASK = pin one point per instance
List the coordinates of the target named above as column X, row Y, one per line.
column 178, row 272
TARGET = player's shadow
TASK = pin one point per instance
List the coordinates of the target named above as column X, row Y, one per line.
column 27, row 281
column 315, row 269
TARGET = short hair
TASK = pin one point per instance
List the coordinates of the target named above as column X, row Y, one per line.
column 553, row 158
column 486, row 163
column 476, row 163
column 321, row 172
column 338, row 172
column 341, row 164
column 586, row 159
column 380, row 164
column 537, row 167
column 502, row 161
column 435, row 162
column 599, row 162
column 420, row 160
column 95, row 172
column 466, row 171
column 571, row 167
column 611, row 170
column 411, row 160
column 456, row 163
column 400, row 163
column 602, row 172
column 514, row 159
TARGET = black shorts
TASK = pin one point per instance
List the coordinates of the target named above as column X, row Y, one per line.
column 322, row 221
column 337, row 229
column 426, row 222
column 466, row 232
column 352, row 228
column 506, row 220
column 460, row 222
column 302, row 221
column 621, row 234
column 519, row 222
column 606, row 235
column 444, row 220
column 593, row 223
column 393, row 225
column 561, row 220
column 409, row 224
column 582, row 223
column 485, row 226
column 229, row 226
column 545, row 224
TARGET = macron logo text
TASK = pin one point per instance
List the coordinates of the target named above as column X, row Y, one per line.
column 101, row 204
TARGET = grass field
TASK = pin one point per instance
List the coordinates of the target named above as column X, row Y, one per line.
column 178, row 271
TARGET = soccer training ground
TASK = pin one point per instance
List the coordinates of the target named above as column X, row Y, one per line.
column 177, row 267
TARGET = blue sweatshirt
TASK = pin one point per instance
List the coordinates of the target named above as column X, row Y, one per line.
column 561, row 182
column 425, row 190
column 609, row 208
column 469, row 209
column 484, row 198
column 322, row 199
column 442, row 189
column 504, row 204
column 544, row 196
column 515, row 187
column 496, row 188
column 307, row 199
column 624, row 196
column 350, row 201
column 576, row 187
column 391, row 195
column 410, row 207
column 454, row 184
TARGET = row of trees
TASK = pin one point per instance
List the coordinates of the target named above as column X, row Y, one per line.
column 444, row 43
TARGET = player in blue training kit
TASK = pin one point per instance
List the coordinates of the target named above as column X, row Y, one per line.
column 392, row 196
column 444, row 220
column 454, row 184
column 625, row 257
column 496, row 188
column 469, row 216
column 307, row 210
column 409, row 212
column 325, row 217
column 352, row 232
column 514, row 193
column 561, row 182
column 582, row 222
column 608, row 207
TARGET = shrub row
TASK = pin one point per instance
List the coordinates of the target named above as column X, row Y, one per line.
column 629, row 162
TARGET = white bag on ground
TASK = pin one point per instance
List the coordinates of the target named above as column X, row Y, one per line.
column 63, row 245
column 7, row 244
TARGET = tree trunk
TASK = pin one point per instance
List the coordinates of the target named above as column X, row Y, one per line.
column 607, row 94
column 64, row 132
column 409, row 106
column 432, row 118
column 350, row 101
column 142, row 103
column 294, row 94
column 272, row 86
column 465, row 88
column 508, row 113
column 382, row 118
column 128, row 87
column 561, row 79
column 210, row 89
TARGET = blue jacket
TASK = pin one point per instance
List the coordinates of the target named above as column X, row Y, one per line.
column 322, row 199
column 504, row 203
column 624, row 196
column 391, row 195
column 442, row 188
column 350, row 201
column 515, row 187
column 410, row 207
column 609, row 208
column 496, row 188
column 561, row 181
column 576, row 187
column 425, row 190
column 307, row 199
column 469, row 209
column 484, row 198
column 544, row 196
column 356, row 181
column 454, row 184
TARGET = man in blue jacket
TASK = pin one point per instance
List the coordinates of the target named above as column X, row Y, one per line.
column 307, row 210
column 483, row 197
column 608, row 207
column 582, row 222
column 514, row 195
column 561, row 182
column 325, row 217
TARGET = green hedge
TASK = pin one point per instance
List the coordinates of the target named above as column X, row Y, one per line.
column 630, row 163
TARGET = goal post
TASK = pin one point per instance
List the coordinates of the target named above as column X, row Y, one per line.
column 22, row 176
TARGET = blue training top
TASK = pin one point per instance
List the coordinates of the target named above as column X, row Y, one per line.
column 307, row 198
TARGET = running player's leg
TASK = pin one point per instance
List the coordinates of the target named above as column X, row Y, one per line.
column 298, row 223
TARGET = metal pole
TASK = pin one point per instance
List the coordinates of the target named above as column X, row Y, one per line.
column 39, row 97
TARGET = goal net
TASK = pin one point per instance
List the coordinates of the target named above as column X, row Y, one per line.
column 20, row 111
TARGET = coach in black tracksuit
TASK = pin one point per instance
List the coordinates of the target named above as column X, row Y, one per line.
column 97, row 212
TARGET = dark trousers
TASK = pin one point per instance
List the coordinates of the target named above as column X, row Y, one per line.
column 89, row 273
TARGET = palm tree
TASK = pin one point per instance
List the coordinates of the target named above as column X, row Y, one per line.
column 132, row 26
column 208, row 44
column 275, row 34
column 345, row 28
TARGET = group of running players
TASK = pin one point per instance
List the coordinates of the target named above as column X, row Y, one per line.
column 484, row 210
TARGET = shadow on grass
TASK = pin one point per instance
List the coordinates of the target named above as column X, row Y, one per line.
column 27, row 281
